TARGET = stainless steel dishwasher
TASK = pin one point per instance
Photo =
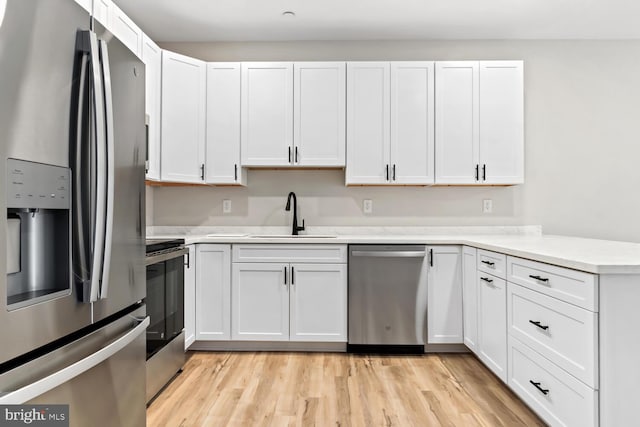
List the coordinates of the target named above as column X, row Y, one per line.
column 387, row 298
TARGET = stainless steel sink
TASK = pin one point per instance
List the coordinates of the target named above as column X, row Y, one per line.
column 289, row 236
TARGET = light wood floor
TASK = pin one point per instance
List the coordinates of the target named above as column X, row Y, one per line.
column 336, row 389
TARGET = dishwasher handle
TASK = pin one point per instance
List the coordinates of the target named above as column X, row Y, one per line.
column 390, row 254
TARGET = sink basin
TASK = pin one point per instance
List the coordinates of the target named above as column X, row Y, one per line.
column 289, row 236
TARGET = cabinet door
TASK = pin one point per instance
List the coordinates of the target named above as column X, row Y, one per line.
column 126, row 30
column 152, row 58
column 183, row 118
column 223, row 124
column 86, row 4
column 319, row 113
column 190, row 297
column 102, row 12
column 502, row 122
column 492, row 323
column 368, row 123
column 470, row 297
column 318, row 302
column 267, row 113
column 260, row 302
column 213, row 292
column 444, row 315
column 412, row 122
column 457, row 122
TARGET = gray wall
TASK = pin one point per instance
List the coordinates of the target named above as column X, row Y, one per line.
column 582, row 137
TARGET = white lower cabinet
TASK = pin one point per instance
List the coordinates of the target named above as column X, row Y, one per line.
column 470, row 298
column 288, row 301
column 190, row 297
column 318, row 302
column 492, row 323
column 260, row 302
column 444, row 301
column 555, row 395
column 213, row 292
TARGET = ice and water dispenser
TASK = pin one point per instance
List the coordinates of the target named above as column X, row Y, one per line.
column 38, row 232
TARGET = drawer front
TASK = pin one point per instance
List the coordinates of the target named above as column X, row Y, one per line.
column 565, row 401
column 563, row 333
column 335, row 254
column 575, row 287
column 492, row 263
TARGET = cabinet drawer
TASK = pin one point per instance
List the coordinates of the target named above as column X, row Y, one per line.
column 567, row 402
column 565, row 334
column 492, row 263
column 575, row 287
column 335, row 254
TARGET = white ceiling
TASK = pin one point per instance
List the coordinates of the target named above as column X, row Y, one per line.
column 258, row 20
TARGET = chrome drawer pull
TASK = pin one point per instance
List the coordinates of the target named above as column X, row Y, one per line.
column 486, row 279
column 535, row 322
column 537, row 385
column 542, row 279
column 489, row 263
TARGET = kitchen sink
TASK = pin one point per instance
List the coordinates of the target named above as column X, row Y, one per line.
column 289, row 236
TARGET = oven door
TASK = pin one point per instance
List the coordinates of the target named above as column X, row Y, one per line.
column 165, row 298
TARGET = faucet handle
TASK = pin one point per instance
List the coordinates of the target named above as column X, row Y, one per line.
column 301, row 228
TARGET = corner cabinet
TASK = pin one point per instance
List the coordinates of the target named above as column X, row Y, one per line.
column 444, row 314
column 479, row 122
column 223, row 124
column 276, row 298
column 183, row 118
column 390, row 116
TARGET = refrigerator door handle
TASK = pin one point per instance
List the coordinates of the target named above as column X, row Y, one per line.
column 110, row 171
column 101, row 167
column 46, row 384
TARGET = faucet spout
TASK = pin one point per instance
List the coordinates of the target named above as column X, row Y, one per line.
column 295, row 227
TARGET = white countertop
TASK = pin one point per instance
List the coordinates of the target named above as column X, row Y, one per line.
column 591, row 255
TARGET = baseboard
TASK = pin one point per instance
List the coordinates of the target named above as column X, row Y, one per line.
column 335, row 347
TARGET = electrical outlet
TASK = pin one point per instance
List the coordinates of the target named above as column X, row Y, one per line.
column 367, row 206
column 226, row 206
column 487, row 206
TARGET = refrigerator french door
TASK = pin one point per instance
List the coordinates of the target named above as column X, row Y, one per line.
column 72, row 155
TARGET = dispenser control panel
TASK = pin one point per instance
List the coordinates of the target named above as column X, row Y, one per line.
column 37, row 185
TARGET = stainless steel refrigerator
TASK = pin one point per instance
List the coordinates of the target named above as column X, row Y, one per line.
column 72, row 275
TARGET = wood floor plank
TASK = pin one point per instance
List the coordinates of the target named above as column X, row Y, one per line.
column 336, row 389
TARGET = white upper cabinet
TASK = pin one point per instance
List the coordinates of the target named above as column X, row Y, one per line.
column 319, row 114
column 223, row 124
column 183, row 118
column 102, row 12
column 152, row 58
column 86, row 4
column 479, row 122
column 412, row 122
column 368, row 120
column 502, row 122
column 457, row 122
column 390, row 123
column 444, row 314
column 125, row 30
column 267, row 113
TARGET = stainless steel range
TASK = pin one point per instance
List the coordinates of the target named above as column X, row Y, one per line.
column 165, row 307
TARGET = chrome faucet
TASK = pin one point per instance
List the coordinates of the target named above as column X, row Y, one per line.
column 296, row 228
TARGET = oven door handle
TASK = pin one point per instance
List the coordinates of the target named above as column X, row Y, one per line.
column 165, row 256
column 46, row 384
